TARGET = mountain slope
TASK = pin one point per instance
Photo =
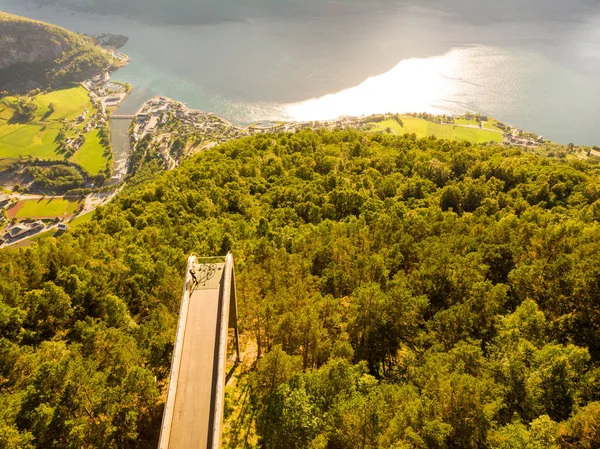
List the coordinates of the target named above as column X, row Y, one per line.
column 36, row 54
column 402, row 292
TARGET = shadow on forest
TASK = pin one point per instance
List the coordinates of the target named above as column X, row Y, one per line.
column 19, row 119
column 241, row 426
column 231, row 371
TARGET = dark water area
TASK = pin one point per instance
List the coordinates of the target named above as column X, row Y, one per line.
column 206, row 12
column 532, row 64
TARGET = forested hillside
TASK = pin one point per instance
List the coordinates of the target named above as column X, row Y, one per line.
column 402, row 293
column 35, row 54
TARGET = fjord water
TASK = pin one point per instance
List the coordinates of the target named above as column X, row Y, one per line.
column 533, row 64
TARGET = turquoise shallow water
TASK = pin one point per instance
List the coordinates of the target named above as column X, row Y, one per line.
column 536, row 68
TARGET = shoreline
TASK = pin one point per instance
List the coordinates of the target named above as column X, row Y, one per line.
column 352, row 121
column 163, row 123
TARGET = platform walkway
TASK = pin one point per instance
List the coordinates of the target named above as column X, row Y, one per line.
column 194, row 410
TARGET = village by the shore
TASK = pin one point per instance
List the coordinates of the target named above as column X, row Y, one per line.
column 161, row 121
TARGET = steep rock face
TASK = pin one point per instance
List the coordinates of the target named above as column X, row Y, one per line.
column 27, row 43
column 37, row 54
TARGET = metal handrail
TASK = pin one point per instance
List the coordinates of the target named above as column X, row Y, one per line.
column 165, row 430
column 218, row 411
column 211, row 257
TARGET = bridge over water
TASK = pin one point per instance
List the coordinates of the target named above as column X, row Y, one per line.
column 122, row 117
column 193, row 415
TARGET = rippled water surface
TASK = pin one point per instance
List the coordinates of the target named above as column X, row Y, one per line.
column 535, row 65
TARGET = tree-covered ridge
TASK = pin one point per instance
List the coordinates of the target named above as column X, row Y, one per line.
column 36, row 54
column 401, row 292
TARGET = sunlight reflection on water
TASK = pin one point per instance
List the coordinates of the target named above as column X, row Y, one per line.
column 451, row 83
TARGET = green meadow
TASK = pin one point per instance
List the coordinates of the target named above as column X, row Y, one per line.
column 81, row 219
column 45, row 208
column 475, row 135
column 91, row 155
column 490, row 124
column 425, row 128
column 37, row 139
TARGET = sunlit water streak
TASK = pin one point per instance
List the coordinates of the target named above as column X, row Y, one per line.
column 445, row 84
column 475, row 78
column 518, row 86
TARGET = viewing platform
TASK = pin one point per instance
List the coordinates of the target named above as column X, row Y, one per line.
column 193, row 415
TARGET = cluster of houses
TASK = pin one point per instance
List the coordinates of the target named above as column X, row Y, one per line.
column 156, row 114
column 147, row 118
column 97, row 122
column 83, row 116
column 105, row 93
column 519, row 138
column 155, row 118
column 158, row 111
column 17, row 230
column 20, row 230
column 72, row 144
column 102, row 86
column 96, row 84
column 339, row 123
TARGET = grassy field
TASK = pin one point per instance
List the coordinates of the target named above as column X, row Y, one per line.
column 392, row 124
column 30, row 140
column 425, row 128
column 475, row 135
column 68, row 103
column 81, row 219
column 91, row 155
column 489, row 124
column 36, row 139
column 43, row 208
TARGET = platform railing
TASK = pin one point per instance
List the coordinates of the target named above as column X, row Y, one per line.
column 165, row 430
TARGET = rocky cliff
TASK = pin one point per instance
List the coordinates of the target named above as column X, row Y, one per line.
column 36, row 54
